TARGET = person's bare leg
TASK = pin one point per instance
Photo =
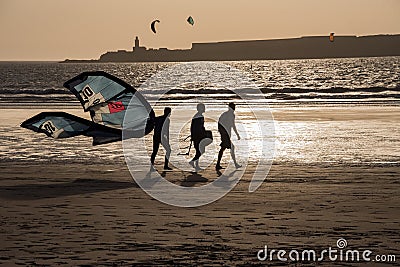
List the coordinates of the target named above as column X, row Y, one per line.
column 154, row 154
column 220, row 153
column 237, row 165
column 167, row 155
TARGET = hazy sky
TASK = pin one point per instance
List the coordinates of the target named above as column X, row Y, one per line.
column 59, row 29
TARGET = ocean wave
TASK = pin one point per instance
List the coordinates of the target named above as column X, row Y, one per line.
column 330, row 96
column 54, row 95
column 334, row 90
column 46, row 91
column 210, row 91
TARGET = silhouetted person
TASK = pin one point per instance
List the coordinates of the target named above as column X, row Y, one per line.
column 198, row 133
column 161, row 136
column 226, row 123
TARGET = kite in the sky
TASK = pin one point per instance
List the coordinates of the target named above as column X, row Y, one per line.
column 332, row 37
column 153, row 25
column 106, row 98
column 190, row 20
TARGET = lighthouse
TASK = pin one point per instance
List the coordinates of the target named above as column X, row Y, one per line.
column 136, row 43
column 137, row 47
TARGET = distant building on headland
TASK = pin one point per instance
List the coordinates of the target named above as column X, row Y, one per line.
column 311, row 47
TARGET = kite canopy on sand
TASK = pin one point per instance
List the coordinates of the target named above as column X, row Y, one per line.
column 106, row 98
column 153, row 25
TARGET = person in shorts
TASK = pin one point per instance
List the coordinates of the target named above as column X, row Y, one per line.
column 226, row 123
column 161, row 136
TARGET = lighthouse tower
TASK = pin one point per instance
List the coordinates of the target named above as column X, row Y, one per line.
column 136, row 44
column 137, row 49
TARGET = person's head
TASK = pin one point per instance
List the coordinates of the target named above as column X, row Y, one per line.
column 232, row 106
column 167, row 111
column 201, row 107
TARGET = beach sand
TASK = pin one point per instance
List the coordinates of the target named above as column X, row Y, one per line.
column 78, row 214
column 94, row 214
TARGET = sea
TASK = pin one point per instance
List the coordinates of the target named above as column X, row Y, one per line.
column 308, row 79
column 327, row 111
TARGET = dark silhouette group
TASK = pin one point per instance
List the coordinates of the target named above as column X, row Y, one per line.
column 198, row 134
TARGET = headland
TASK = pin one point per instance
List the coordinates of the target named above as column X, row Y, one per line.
column 310, row 47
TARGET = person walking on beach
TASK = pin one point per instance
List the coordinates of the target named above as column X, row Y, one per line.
column 198, row 133
column 161, row 136
column 226, row 123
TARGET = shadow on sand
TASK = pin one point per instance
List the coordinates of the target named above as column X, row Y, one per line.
column 76, row 187
column 193, row 179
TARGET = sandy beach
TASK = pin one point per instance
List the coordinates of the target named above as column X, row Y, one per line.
column 70, row 213
column 87, row 215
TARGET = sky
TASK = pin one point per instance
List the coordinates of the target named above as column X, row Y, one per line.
column 46, row 30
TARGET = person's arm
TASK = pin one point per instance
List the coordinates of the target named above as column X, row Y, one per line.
column 165, row 130
column 235, row 130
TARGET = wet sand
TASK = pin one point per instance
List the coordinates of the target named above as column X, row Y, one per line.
column 69, row 213
column 96, row 215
